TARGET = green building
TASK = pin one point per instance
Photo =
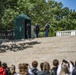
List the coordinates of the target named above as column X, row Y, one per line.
column 20, row 28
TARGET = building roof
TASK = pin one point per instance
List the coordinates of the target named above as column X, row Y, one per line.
column 23, row 16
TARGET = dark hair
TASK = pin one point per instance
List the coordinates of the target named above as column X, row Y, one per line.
column 22, row 66
column 65, row 61
column 26, row 64
column 72, row 63
column 55, row 62
column 4, row 65
column 34, row 64
column 41, row 66
column 23, row 69
column 0, row 63
column 46, row 66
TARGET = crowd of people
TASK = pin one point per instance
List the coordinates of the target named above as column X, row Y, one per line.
column 63, row 68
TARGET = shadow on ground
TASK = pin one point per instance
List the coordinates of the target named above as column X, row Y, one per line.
column 17, row 47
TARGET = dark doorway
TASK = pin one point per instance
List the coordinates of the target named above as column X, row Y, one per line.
column 27, row 29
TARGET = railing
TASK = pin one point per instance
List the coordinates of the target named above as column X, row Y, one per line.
column 8, row 35
column 66, row 33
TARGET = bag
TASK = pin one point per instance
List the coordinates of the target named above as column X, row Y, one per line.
column 35, row 71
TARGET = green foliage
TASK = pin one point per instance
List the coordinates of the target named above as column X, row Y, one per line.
column 41, row 34
column 39, row 11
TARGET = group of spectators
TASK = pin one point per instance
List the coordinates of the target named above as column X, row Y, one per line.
column 63, row 68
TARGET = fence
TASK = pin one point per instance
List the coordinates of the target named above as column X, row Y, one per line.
column 66, row 33
column 9, row 34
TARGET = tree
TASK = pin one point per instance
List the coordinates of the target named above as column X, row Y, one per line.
column 59, row 17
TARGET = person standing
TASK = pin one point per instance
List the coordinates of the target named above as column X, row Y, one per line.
column 6, row 68
column 55, row 66
column 36, row 30
column 46, row 29
column 2, row 70
column 34, row 70
column 28, row 30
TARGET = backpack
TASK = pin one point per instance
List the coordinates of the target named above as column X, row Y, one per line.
column 74, row 72
column 8, row 72
column 35, row 71
column 54, row 71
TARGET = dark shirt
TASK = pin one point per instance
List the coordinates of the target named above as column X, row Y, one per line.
column 44, row 73
column 35, row 71
column 46, row 27
column 54, row 70
column 74, row 72
column 37, row 29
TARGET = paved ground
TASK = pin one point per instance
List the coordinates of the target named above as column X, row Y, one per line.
column 42, row 49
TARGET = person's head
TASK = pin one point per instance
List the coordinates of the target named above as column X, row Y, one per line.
column 12, row 69
column 4, row 65
column 46, row 66
column 36, row 24
column 65, row 62
column 55, row 63
column 23, row 69
column 22, row 66
column 34, row 64
column 27, row 23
